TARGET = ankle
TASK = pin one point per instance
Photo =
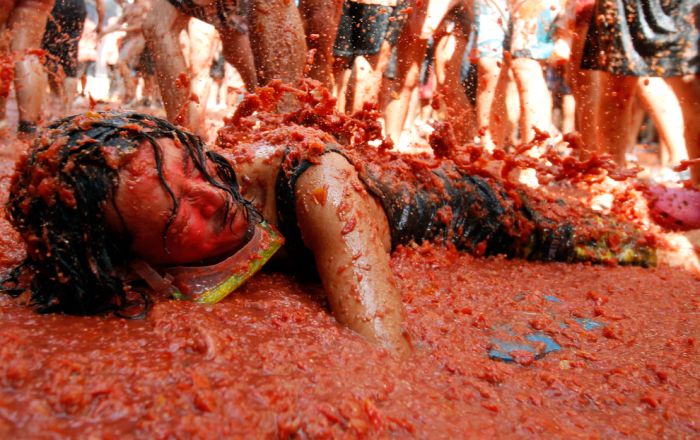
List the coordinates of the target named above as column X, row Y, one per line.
column 26, row 127
column 26, row 130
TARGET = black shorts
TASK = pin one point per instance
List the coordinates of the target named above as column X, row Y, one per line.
column 222, row 14
column 63, row 31
column 644, row 38
column 363, row 28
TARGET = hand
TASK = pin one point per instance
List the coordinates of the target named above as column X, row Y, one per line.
column 435, row 13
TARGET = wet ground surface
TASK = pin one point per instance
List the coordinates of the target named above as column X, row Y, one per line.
column 502, row 348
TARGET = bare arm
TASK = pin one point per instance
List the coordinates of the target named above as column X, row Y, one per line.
column 100, row 7
column 350, row 244
column 436, row 12
column 162, row 27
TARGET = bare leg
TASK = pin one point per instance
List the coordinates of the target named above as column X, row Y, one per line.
column 215, row 92
column 410, row 50
column 202, row 47
column 510, row 122
column 373, row 306
column 162, row 27
column 27, row 22
column 435, row 13
column 614, row 113
column 387, row 87
column 568, row 114
column 237, row 52
column 278, row 41
column 586, row 95
column 660, row 102
column 535, row 99
column 490, row 101
column 411, row 115
column 232, row 84
column 449, row 51
column 341, row 73
column 70, row 91
column 585, row 89
column 149, row 89
column 688, row 93
column 128, row 55
column 636, row 121
column 321, row 19
column 367, row 73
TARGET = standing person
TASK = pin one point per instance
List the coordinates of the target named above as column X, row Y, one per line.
column 131, row 46
column 449, row 23
column 262, row 39
column 583, row 83
column 101, row 85
column 516, row 36
column 628, row 39
column 410, row 54
column 492, row 20
column 25, row 20
column 451, row 38
column 61, row 38
column 532, row 43
column 87, row 54
column 367, row 31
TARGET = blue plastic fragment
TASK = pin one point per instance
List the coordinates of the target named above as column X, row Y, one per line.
column 498, row 355
column 552, row 298
column 550, row 344
column 589, row 324
column 502, row 349
column 502, row 353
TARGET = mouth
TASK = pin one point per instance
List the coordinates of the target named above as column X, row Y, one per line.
column 211, row 283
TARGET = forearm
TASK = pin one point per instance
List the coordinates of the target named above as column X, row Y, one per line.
column 436, row 12
column 350, row 251
column 100, row 7
column 162, row 30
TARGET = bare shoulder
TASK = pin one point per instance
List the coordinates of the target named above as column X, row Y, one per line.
column 257, row 166
column 257, row 157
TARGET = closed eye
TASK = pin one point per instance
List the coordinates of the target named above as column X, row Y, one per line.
column 207, row 199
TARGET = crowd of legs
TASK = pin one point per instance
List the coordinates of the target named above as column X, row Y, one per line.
column 496, row 70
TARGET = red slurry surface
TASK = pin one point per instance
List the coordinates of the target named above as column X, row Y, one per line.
column 270, row 361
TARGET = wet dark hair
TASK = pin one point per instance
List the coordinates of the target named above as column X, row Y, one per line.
column 57, row 202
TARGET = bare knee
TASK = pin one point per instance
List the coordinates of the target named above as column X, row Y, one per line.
column 163, row 20
column 526, row 69
column 489, row 68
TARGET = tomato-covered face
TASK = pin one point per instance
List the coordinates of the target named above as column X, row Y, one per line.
column 205, row 225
